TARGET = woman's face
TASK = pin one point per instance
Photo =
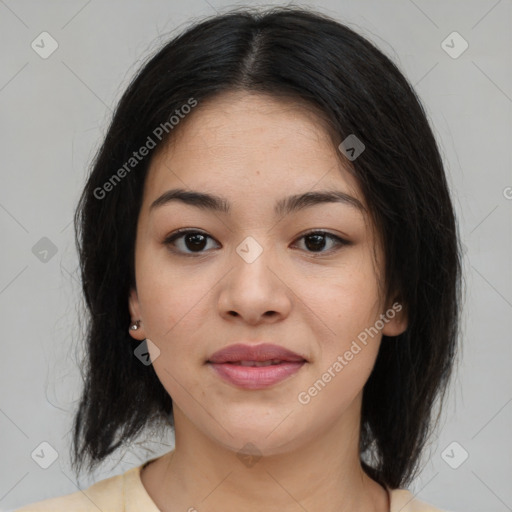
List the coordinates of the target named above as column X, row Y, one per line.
column 252, row 273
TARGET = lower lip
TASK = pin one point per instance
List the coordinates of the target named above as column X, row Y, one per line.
column 256, row 377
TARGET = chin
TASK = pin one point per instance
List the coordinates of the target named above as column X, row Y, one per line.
column 260, row 440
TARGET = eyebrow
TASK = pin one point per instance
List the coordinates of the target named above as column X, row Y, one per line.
column 283, row 206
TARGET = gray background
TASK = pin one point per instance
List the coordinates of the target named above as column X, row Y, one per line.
column 54, row 112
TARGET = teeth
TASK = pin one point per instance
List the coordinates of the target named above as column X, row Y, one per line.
column 258, row 363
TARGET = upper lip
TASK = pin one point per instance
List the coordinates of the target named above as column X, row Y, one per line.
column 261, row 352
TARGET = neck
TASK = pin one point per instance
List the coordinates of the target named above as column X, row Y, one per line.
column 323, row 474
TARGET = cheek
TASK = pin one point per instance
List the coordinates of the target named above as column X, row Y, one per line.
column 335, row 389
column 346, row 300
column 173, row 307
column 172, row 299
column 347, row 355
column 348, row 304
column 173, row 310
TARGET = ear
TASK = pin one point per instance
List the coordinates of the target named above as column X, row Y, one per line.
column 134, row 307
column 395, row 319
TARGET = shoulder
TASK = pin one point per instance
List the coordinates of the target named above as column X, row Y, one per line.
column 107, row 494
column 403, row 500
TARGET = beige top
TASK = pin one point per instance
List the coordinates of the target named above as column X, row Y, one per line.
column 126, row 493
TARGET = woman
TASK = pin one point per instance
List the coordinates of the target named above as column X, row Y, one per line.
column 270, row 262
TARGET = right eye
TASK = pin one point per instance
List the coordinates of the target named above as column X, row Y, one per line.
column 188, row 241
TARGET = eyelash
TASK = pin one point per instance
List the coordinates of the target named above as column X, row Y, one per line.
column 180, row 233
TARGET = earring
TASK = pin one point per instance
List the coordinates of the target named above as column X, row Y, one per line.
column 135, row 326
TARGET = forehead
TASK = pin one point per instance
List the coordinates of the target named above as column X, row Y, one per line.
column 252, row 144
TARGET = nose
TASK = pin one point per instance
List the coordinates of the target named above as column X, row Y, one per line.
column 255, row 292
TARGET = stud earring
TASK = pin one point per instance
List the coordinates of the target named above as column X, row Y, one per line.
column 135, row 326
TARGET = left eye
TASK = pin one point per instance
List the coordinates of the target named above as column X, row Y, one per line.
column 316, row 241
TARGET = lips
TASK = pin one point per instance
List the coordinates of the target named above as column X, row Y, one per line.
column 255, row 366
column 247, row 354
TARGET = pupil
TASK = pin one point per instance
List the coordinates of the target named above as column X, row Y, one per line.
column 195, row 241
column 318, row 242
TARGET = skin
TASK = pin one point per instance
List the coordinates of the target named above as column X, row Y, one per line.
column 254, row 150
